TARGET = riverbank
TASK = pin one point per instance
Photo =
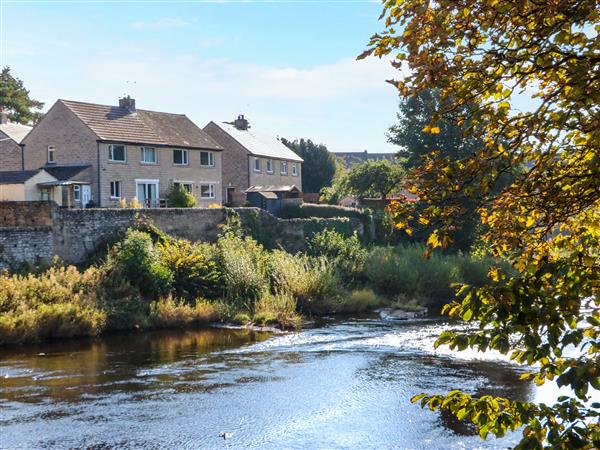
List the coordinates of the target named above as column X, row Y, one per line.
column 149, row 280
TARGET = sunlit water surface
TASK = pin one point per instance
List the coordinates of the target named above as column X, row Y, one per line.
column 342, row 385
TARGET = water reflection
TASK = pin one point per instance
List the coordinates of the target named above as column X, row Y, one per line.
column 339, row 386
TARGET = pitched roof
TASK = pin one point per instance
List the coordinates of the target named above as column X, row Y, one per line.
column 66, row 171
column 16, row 176
column 113, row 123
column 15, row 131
column 259, row 144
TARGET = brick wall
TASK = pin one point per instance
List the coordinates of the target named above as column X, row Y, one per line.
column 40, row 230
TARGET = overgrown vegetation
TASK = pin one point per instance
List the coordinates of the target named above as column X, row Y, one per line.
column 149, row 279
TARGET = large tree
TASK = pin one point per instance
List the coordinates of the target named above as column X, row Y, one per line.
column 15, row 100
column 318, row 168
column 481, row 55
column 374, row 178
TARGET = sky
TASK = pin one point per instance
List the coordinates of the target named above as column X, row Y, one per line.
column 288, row 66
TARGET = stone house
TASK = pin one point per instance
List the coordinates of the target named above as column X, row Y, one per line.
column 252, row 159
column 120, row 152
column 11, row 136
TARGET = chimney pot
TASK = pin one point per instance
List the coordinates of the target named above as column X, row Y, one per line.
column 127, row 103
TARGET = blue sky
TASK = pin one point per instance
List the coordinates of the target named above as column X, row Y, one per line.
column 290, row 67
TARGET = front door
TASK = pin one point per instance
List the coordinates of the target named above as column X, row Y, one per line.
column 147, row 192
column 86, row 195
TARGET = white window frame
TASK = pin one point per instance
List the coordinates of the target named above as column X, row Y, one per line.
column 283, row 167
column 143, row 154
column 76, row 193
column 269, row 164
column 185, row 157
column 111, row 155
column 185, row 183
column 50, row 151
column 211, row 158
column 211, row 190
column 113, row 186
column 294, row 169
column 257, row 165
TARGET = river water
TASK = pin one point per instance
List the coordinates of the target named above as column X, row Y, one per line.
column 344, row 384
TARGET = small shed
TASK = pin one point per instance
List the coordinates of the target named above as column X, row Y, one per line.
column 273, row 197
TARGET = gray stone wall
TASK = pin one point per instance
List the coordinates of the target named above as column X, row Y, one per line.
column 72, row 234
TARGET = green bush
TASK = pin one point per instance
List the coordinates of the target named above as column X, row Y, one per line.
column 277, row 309
column 244, row 264
column 136, row 260
column 194, row 267
column 360, row 300
column 180, row 198
column 346, row 253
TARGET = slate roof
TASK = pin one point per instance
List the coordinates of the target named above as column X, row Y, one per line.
column 259, row 144
column 16, row 176
column 66, row 171
column 15, row 131
column 113, row 123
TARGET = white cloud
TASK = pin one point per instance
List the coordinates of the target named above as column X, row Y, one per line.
column 164, row 23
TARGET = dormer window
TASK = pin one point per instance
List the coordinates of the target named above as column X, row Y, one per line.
column 51, row 154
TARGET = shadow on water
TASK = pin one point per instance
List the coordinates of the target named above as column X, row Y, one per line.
column 342, row 385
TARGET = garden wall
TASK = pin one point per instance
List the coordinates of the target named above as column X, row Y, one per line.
column 33, row 231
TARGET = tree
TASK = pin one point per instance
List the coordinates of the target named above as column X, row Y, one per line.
column 481, row 55
column 318, row 167
column 15, row 100
column 374, row 178
column 178, row 197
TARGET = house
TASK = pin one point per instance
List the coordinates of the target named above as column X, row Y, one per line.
column 120, row 152
column 273, row 198
column 251, row 158
column 11, row 136
column 28, row 185
column 352, row 158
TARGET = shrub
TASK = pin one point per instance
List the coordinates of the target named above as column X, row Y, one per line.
column 136, row 260
column 194, row 268
column 277, row 308
column 244, row 264
column 347, row 253
column 169, row 313
column 359, row 301
column 180, row 198
column 242, row 319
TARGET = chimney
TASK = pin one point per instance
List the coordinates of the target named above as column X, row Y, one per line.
column 127, row 103
column 3, row 117
column 240, row 123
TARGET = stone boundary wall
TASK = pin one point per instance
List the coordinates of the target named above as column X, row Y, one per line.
column 34, row 231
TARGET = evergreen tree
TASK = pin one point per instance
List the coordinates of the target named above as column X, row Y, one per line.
column 318, row 168
column 15, row 100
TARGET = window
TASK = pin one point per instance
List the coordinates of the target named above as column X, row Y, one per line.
column 77, row 193
column 148, row 155
column 269, row 165
column 256, row 164
column 50, row 153
column 116, row 153
column 207, row 190
column 115, row 189
column 207, row 159
column 180, row 157
column 283, row 168
column 45, row 194
column 187, row 186
column 294, row 169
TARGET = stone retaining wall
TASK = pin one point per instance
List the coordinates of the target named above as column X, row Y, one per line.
column 33, row 231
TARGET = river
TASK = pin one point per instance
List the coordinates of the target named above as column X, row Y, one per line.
column 343, row 384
